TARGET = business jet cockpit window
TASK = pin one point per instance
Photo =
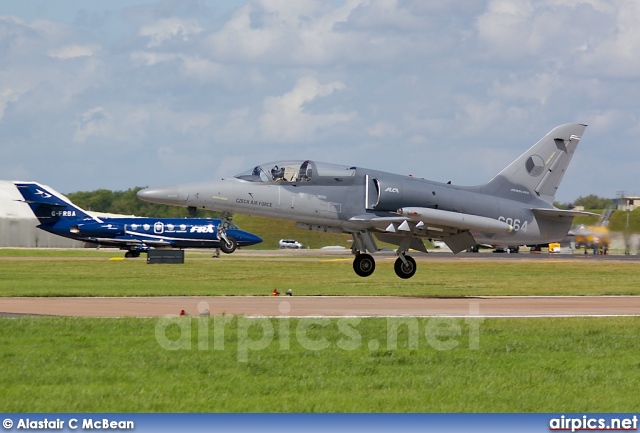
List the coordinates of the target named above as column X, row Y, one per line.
column 294, row 172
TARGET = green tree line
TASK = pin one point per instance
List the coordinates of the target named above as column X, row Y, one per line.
column 592, row 201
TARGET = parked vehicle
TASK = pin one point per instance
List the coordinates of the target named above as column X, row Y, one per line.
column 506, row 249
column 554, row 247
column 289, row 243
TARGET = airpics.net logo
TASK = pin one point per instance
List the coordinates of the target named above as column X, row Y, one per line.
column 252, row 334
column 590, row 423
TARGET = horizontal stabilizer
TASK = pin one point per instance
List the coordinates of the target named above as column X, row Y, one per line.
column 42, row 203
column 560, row 213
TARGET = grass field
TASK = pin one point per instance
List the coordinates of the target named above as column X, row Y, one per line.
column 238, row 275
column 117, row 365
column 57, row 364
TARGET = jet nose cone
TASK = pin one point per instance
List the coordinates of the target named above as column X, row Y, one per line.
column 165, row 195
column 254, row 239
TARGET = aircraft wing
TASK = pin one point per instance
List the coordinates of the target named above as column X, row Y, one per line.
column 428, row 218
column 132, row 241
column 415, row 222
column 373, row 221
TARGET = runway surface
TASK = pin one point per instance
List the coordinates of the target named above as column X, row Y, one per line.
column 327, row 306
column 313, row 255
column 337, row 306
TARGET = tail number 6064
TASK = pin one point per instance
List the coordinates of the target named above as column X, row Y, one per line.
column 519, row 226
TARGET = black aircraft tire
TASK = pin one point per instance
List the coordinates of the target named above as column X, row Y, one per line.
column 228, row 249
column 364, row 265
column 404, row 271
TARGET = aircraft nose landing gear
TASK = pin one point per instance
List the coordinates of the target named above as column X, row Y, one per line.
column 227, row 243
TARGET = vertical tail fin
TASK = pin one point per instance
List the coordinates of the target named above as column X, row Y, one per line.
column 606, row 216
column 539, row 171
column 48, row 205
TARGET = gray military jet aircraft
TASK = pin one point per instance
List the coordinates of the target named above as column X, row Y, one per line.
column 513, row 208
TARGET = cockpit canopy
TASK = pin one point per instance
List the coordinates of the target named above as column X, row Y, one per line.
column 295, row 171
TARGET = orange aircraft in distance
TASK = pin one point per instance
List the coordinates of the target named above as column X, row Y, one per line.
column 596, row 236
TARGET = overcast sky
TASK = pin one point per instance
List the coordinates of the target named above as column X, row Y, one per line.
column 117, row 94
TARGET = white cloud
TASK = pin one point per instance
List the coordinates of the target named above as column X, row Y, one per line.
column 29, row 78
column 166, row 154
column 198, row 68
column 94, row 122
column 606, row 6
column 506, row 26
column 135, row 126
column 169, row 29
column 230, row 166
column 204, row 90
column 606, row 120
column 287, row 119
column 615, row 53
column 528, row 31
column 313, row 33
column 74, row 51
column 146, row 58
column 238, row 127
column 7, row 96
column 539, row 87
column 382, row 129
column 480, row 115
column 179, row 158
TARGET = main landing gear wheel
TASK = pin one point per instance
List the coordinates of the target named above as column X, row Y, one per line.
column 405, row 271
column 132, row 254
column 364, row 265
column 229, row 245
